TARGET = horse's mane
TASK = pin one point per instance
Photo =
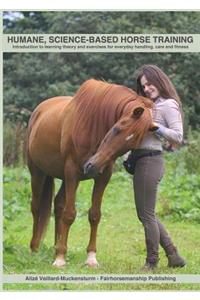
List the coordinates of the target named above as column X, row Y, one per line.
column 98, row 106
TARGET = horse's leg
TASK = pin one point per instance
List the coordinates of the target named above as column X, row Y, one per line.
column 59, row 205
column 68, row 217
column 42, row 191
column 94, row 215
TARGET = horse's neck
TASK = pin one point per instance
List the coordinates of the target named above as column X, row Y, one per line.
column 118, row 109
column 100, row 118
column 108, row 114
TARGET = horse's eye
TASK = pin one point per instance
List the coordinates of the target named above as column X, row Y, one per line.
column 116, row 130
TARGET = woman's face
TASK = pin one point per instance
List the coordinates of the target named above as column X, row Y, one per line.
column 149, row 89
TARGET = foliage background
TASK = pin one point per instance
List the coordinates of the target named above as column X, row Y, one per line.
column 29, row 78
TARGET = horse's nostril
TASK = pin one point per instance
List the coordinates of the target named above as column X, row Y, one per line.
column 87, row 167
column 90, row 170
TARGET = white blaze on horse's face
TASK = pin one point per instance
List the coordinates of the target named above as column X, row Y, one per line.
column 129, row 137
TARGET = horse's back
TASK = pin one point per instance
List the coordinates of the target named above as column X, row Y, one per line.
column 48, row 114
column 52, row 105
column 44, row 134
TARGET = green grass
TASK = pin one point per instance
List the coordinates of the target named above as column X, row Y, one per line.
column 121, row 248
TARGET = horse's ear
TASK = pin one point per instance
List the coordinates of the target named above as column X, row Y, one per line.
column 138, row 111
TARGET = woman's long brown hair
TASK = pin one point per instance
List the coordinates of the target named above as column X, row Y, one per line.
column 159, row 79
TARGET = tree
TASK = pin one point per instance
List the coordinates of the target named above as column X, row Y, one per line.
column 30, row 78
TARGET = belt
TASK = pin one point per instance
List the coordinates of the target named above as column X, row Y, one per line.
column 145, row 152
column 135, row 155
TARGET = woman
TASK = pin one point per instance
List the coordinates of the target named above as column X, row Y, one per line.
column 153, row 83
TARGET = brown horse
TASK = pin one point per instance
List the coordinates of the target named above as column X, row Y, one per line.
column 78, row 138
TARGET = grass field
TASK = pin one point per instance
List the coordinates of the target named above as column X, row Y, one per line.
column 121, row 248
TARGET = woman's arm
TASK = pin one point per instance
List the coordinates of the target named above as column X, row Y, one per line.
column 173, row 132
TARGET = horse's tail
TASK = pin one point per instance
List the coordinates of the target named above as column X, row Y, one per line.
column 41, row 210
column 46, row 203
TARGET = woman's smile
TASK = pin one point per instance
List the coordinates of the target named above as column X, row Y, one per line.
column 149, row 89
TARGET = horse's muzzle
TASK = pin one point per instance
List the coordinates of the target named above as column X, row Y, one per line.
column 90, row 170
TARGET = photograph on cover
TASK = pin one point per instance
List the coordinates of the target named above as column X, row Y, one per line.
column 101, row 157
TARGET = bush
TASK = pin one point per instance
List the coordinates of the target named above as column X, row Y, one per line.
column 179, row 195
column 14, row 142
column 191, row 153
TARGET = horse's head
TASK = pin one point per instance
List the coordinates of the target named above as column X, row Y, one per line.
column 125, row 135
